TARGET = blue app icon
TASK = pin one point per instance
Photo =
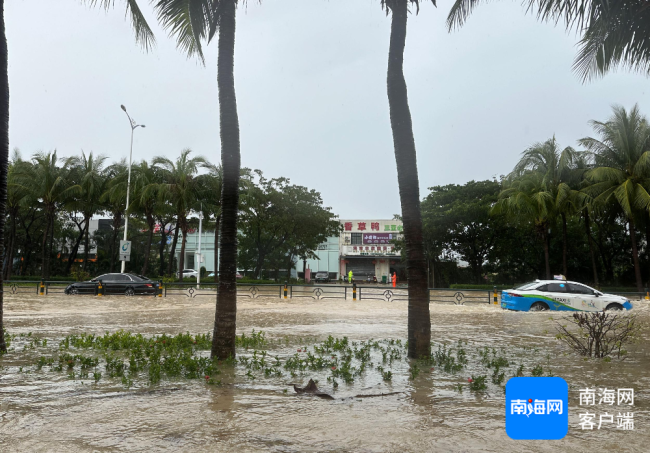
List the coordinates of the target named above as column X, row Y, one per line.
column 537, row 408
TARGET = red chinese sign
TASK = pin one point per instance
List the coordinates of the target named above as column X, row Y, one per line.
column 374, row 226
column 348, row 226
column 362, row 226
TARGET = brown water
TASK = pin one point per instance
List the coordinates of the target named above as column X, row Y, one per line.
column 46, row 411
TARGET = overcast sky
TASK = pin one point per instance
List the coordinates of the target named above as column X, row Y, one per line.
column 311, row 90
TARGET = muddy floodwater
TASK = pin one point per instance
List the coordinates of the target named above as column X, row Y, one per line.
column 431, row 410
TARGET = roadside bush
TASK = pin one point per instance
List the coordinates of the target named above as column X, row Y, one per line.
column 598, row 334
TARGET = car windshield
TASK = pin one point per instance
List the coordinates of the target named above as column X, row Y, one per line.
column 529, row 285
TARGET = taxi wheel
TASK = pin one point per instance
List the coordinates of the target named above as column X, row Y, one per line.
column 539, row 306
column 614, row 307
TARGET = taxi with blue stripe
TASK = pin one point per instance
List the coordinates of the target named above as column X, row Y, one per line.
column 542, row 295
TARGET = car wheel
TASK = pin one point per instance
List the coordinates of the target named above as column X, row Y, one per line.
column 73, row 291
column 539, row 306
column 614, row 307
column 129, row 292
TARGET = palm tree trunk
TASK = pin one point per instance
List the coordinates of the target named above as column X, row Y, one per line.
column 49, row 255
column 181, row 259
column 4, row 159
column 591, row 249
column 225, row 318
column 564, row 244
column 546, row 254
column 419, row 321
column 73, row 253
column 161, row 248
column 635, row 257
column 170, row 265
column 216, row 248
column 10, row 250
column 86, row 243
column 46, row 233
column 647, row 247
column 117, row 223
column 147, row 249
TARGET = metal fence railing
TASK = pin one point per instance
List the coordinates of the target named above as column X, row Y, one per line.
column 381, row 292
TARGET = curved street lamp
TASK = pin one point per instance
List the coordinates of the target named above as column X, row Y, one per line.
column 133, row 125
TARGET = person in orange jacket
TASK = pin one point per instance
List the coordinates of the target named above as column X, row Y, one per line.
column 394, row 279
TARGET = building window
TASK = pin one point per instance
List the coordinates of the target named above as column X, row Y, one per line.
column 357, row 238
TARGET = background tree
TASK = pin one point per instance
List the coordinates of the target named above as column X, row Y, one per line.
column 88, row 191
column 460, row 216
column 557, row 169
column 622, row 169
column 419, row 321
column 146, row 180
column 528, row 198
column 114, row 201
column 180, row 188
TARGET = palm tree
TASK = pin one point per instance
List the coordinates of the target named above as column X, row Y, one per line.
column 47, row 183
column 145, row 184
column 17, row 197
column 192, row 22
column 614, row 32
column 211, row 184
column 527, row 198
column 419, row 321
column 90, row 187
column 114, row 202
column 180, row 187
column 4, row 160
column 622, row 168
column 556, row 168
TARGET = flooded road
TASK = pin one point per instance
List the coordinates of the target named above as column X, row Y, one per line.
column 428, row 410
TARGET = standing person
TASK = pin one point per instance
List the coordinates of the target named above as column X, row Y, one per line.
column 394, row 279
column 350, row 276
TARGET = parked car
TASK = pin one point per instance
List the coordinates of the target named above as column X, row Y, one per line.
column 127, row 284
column 542, row 295
column 190, row 273
column 322, row 277
column 211, row 275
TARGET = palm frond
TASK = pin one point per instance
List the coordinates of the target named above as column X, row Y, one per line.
column 143, row 34
column 188, row 21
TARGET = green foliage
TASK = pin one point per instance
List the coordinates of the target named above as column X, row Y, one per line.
column 279, row 222
column 477, row 383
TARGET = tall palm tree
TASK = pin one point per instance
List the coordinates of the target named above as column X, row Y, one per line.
column 622, row 168
column 527, row 198
column 211, row 187
column 180, row 187
column 192, row 22
column 114, row 202
column 4, row 159
column 614, row 32
column 145, row 184
column 556, row 168
column 419, row 321
column 17, row 198
column 48, row 183
column 90, row 187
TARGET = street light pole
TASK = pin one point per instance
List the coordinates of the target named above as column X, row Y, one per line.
column 128, row 182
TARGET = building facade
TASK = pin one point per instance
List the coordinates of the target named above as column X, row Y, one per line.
column 365, row 247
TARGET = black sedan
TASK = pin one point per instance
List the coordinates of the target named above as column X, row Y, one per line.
column 127, row 284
